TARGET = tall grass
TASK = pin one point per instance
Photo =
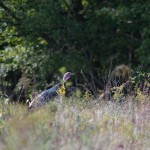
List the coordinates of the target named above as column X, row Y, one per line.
column 75, row 124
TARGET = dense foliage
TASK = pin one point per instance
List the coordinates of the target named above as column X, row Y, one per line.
column 40, row 37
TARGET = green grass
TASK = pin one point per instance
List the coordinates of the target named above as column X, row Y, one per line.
column 77, row 125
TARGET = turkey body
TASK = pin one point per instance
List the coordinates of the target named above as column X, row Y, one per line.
column 44, row 97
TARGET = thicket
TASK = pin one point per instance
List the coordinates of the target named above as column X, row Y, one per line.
column 41, row 39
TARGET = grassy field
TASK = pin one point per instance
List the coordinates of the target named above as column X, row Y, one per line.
column 77, row 124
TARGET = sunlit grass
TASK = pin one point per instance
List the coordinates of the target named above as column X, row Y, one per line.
column 76, row 124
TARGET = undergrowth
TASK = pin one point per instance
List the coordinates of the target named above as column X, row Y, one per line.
column 77, row 124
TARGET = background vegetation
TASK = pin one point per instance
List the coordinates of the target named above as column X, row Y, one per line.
column 40, row 39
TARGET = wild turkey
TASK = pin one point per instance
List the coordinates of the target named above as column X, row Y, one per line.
column 42, row 98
